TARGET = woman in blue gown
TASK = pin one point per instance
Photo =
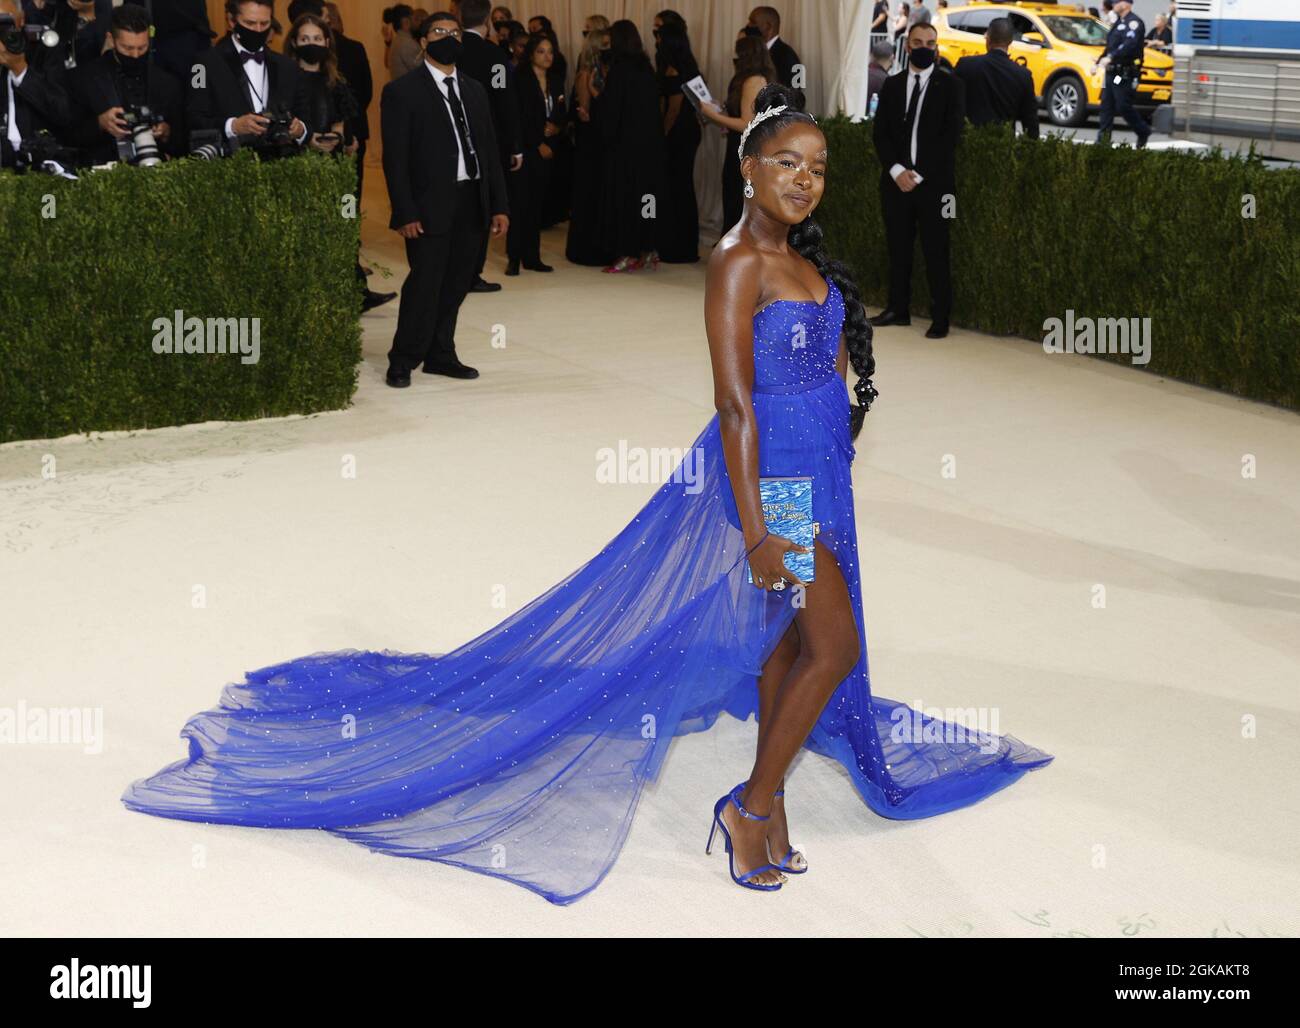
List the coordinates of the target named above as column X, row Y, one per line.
column 523, row 753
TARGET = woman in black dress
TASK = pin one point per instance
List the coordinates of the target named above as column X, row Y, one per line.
column 754, row 70
column 627, row 114
column 583, row 245
column 679, row 224
column 323, row 101
column 541, row 129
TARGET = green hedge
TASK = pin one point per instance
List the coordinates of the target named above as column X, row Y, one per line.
column 1043, row 226
column 235, row 238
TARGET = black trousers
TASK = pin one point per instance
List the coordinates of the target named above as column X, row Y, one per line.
column 442, row 269
column 527, row 201
column 1117, row 98
column 906, row 215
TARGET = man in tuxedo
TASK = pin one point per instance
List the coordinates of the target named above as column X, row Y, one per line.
column 240, row 81
column 484, row 61
column 446, row 187
column 917, row 125
column 35, row 96
column 120, row 80
column 768, row 21
column 997, row 88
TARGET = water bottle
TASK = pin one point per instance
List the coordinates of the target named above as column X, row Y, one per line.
column 875, row 102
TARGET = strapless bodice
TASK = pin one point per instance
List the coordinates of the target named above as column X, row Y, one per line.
column 796, row 342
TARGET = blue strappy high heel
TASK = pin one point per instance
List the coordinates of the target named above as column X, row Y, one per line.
column 743, row 879
column 784, row 863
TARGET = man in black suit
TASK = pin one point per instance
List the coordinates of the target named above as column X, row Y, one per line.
column 917, row 125
column 33, row 90
column 997, row 88
column 240, row 81
column 768, row 21
column 446, row 186
column 125, row 79
column 485, row 62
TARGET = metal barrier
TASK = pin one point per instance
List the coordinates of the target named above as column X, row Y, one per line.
column 1237, row 95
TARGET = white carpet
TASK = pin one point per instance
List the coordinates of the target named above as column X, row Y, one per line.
column 1157, row 818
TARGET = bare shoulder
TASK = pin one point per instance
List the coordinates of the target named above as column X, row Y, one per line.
column 735, row 266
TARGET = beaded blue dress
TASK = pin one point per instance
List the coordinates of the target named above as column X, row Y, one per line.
column 523, row 753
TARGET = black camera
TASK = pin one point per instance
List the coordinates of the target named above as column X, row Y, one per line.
column 42, row 152
column 16, row 40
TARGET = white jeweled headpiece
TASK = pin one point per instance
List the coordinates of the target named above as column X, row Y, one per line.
column 771, row 112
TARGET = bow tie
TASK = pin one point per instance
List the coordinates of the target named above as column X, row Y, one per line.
column 259, row 57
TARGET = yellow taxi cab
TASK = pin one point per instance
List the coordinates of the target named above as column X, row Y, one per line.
column 1059, row 45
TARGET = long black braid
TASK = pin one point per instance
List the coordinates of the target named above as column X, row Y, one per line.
column 806, row 239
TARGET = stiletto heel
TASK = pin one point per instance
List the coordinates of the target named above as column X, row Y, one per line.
column 718, row 823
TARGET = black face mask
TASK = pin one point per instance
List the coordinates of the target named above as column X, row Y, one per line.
column 922, row 57
column 445, row 50
column 132, row 66
column 312, row 53
column 251, row 39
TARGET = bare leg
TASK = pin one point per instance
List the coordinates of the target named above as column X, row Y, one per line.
column 829, row 647
column 774, row 673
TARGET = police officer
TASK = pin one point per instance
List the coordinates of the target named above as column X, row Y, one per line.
column 1121, row 64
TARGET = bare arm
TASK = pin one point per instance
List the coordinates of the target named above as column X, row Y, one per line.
column 748, row 94
column 731, row 292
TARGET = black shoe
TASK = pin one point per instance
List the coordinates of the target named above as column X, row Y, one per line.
column 372, row 300
column 937, row 330
column 453, row 370
column 1142, row 141
column 539, row 266
column 888, row 317
column 480, row 286
column 398, row 380
column 512, row 266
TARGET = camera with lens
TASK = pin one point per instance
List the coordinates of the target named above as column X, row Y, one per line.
column 277, row 140
column 16, row 40
column 140, row 147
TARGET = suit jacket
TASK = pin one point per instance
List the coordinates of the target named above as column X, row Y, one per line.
column 480, row 59
column 939, row 127
column 419, row 141
column 226, row 94
column 998, row 89
column 784, row 57
column 354, row 65
column 41, row 104
column 97, row 86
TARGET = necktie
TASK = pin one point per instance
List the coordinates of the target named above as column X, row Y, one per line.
column 912, row 102
column 259, row 57
column 910, row 118
column 462, row 129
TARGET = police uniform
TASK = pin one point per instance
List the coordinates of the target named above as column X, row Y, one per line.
column 1125, row 44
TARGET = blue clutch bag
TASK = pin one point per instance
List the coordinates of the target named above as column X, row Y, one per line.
column 788, row 512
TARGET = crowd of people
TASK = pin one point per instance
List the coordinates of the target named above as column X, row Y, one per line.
column 126, row 84
column 612, row 153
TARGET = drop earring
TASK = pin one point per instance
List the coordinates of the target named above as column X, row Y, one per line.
column 749, row 189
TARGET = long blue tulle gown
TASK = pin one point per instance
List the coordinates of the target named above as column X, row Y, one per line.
column 523, row 753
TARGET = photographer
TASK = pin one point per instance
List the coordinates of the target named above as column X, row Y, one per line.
column 35, row 94
column 244, row 89
column 82, row 25
column 119, row 87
